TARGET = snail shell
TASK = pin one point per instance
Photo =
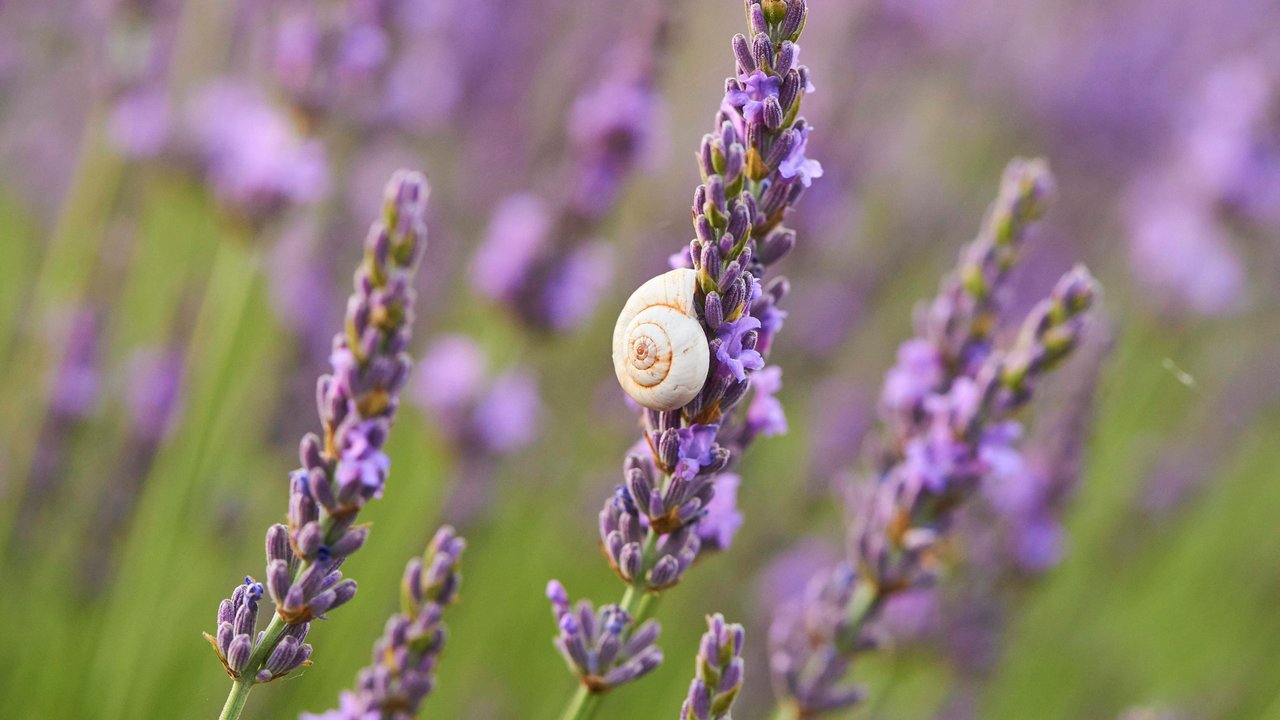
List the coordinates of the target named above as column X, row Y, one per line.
column 660, row 351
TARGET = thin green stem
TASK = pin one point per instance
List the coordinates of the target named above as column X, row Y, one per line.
column 235, row 700
column 583, row 705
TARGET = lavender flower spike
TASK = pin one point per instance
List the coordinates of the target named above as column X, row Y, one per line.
column 344, row 467
column 405, row 657
column 753, row 169
column 719, row 672
column 938, row 451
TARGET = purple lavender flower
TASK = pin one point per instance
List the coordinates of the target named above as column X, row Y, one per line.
column 795, row 164
column 481, row 415
column 749, row 95
column 695, row 448
column 938, row 453
column 256, row 160
column 733, row 353
column 669, row 506
column 604, row 648
column 722, row 520
column 507, row 416
column 765, row 416
column 345, row 467
column 718, row 672
column 573, row 293
column 955, row 329
column 1180, row 252
column 405, row 657
column 517, row 233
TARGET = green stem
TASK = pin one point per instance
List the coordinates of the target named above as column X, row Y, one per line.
column 583, row 705
column 784, row 712
column 236, row 700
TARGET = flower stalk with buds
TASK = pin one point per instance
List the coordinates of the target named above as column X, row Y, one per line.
column 343, row 468
column 948, row 414
column 754, row 168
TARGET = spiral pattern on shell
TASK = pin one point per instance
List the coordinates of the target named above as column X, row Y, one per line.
column 660, row 350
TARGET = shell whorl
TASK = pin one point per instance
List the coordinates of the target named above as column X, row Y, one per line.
column 660, row 351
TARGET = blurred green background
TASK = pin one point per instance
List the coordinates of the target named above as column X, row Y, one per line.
column 1174, row 608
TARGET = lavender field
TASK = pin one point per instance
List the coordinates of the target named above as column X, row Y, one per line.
column 369, row 359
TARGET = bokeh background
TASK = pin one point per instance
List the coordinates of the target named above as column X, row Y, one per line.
column 184, row 188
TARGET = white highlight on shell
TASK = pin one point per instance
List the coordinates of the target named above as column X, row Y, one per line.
column 660, row 351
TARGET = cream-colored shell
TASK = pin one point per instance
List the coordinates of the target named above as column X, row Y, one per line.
column 660, row 351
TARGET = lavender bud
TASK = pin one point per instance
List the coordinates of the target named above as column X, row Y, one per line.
column 713, row 313
column 781, row 149
column 742, row 51
column 762, row 50
column 775, row 246
column 309, row 539
column 238, row 653
column 786, row 57
column 309, row 452
column 278, row 580
column 793, row 22
column 789, row 92
column 278, row 543
column 352, row 541
column 755, row 15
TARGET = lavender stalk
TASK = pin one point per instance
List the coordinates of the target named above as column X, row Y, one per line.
column 718, row 676
column 948, row 425
column 716, row 320
column 405, row 657
column 342, row 469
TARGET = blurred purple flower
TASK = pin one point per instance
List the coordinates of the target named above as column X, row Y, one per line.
column 575, row 288
column 784, row 578
column 451, row 375
column 917, row 374
column 517, row 234
column 256, row 159
column 765, row 415
column 77, row 384
column 722, row 520
column 1181, row 252
column 507, row 416
column 139, row 125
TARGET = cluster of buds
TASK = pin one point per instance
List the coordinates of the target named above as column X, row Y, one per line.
column 405, row 657
column 955, row 331
column 718, row 674
column 949, row 428
column 237, row 620
column 604, row 648
column 623, row 533
column 345, row 467
column 809, row 674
